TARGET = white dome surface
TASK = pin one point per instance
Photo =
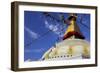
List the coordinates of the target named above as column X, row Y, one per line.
column 68, row 49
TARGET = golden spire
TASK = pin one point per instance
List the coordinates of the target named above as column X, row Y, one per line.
column 73, row 29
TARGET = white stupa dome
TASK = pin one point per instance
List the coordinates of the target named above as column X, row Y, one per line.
column 68, row 49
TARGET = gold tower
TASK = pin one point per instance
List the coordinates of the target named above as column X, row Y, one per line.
column 73, row 30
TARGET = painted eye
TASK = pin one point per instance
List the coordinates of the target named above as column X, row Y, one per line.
column 71, row 55
column 67, row 55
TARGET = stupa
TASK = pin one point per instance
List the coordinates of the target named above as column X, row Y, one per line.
column 73, row 46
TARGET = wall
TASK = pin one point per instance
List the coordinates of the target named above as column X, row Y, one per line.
column 5, row 32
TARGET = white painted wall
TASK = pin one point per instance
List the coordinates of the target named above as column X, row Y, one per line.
column 5, row 32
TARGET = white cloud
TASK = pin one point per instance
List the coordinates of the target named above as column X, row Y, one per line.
column 55, row 28
column 51, row 26
column 28, row 60
column 31, row 33
column 35, row 50
column 46, row 23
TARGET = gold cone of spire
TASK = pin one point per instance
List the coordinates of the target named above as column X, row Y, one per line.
column 73, row 30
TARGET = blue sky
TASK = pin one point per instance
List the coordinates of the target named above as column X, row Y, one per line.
column 42, row 32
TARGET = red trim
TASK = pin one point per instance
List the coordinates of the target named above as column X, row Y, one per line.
column 69, row 34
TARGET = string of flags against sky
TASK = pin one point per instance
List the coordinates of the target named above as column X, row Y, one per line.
column 44, row 29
